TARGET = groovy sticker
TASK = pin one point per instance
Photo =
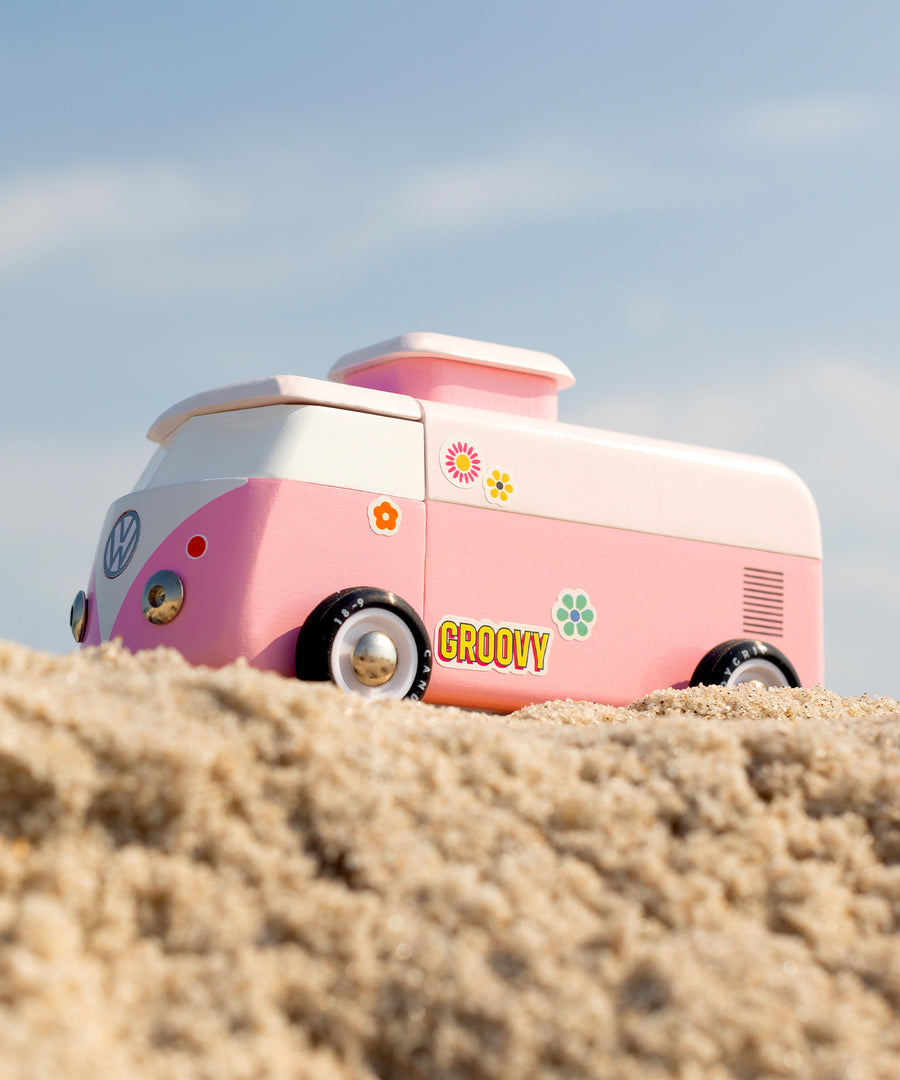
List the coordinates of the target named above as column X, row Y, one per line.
column 519, row 649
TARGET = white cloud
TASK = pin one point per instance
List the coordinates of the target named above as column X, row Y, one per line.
column 547, row 177
column 77, row 209
column 509, row 186
column 812, row 120
column 288, row 216
column 296, row 215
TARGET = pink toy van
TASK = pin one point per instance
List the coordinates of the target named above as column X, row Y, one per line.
column 422, row 526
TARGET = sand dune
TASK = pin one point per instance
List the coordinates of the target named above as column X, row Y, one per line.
column 225, row 874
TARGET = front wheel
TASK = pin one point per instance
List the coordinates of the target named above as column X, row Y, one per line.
column 368, row 641
column 742, row 661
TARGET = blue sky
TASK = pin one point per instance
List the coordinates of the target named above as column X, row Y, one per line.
column 694, row 205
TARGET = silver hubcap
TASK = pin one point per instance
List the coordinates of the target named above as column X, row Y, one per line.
column 374, row 658
column 375, row 654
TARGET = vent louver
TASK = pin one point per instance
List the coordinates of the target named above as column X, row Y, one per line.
column 763, row 602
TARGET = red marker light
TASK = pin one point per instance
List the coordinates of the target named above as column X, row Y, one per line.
column 196, row 546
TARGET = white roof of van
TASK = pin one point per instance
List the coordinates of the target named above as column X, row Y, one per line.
column 447, row 347
column 283, row 390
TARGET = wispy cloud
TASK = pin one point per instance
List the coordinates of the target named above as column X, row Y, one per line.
column 513, row 185
column 102, row 207
column 299, row 214
column 545, row 178
column 806, row 121
column 283, row 215
column 507, row 186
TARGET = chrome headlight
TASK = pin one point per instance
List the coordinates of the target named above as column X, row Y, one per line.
column 162, row 597
column 78, row 615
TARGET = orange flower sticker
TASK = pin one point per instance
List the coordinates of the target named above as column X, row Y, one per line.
column 384, row 516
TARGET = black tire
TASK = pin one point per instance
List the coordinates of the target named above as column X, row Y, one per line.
column 741, row 660
column 325, row 642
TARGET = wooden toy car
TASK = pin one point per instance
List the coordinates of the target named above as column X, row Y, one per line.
column 423, row 526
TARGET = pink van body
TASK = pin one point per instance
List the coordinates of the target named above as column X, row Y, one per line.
column 543, row 560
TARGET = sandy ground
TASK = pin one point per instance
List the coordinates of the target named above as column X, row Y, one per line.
column 224, row 874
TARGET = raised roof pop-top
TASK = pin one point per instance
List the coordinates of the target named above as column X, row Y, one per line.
column 459, row 371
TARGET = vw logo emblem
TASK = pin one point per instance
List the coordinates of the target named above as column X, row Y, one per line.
column 121, row 543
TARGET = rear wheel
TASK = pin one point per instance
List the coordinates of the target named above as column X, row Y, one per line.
column 368, row 641
column 742, row 661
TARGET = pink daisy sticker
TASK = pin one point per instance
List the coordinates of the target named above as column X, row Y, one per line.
column 461, row 462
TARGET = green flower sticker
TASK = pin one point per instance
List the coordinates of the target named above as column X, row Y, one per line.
column 573, row 614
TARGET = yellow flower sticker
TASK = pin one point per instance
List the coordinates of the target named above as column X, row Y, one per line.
column 498, row 487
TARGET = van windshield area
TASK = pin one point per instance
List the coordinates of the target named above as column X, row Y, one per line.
column 311, row 443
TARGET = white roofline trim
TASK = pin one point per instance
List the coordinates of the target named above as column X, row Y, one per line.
column 283, row 390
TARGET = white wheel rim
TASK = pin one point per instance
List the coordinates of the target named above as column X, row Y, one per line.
column 758, row 670
column 384, row 622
